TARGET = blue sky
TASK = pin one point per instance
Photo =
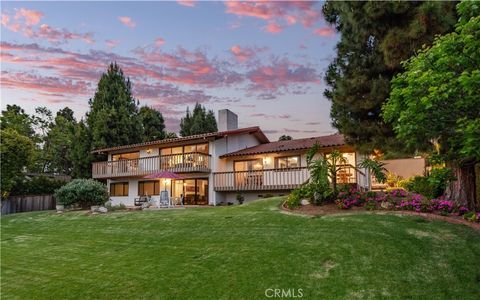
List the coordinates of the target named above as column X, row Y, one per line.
column 263, row 60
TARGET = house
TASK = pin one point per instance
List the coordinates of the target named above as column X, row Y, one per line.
column 217, row 166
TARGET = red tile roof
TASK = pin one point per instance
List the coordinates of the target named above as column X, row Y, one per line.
column 249, row 130
column 292, row 145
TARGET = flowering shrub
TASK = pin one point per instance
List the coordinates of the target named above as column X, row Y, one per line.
column 398, row 193
column 352, row 197
column 443, row 206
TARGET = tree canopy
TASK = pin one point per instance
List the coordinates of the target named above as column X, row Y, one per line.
column 14, row 117
column 153, row 124
column 436, row 101
column 375, row 38
column 200, row 121
column 285, row 138
column 113, row 118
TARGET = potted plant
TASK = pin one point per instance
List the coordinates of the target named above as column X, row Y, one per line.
column 240, row 198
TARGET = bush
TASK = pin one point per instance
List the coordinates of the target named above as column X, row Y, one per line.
column 296, row 196
column 40, row 185
column 84, row 192
column 439, row 178
column 421, row 185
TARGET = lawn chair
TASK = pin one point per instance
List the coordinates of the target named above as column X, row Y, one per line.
column 164, row 199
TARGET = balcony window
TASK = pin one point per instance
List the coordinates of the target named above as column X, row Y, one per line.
column 119, row 189
column 249, row 165
column 121, row 156
column 151, row 187
column 287, row 162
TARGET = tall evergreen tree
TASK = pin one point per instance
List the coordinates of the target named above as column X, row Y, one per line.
column 375, row 38
column 113, row 118
column 153, row 124
column 200, row 121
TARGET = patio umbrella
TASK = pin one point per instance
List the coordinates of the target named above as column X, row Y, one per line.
column 164, row 175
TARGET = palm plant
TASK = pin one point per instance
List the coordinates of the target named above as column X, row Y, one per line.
column 376, row 168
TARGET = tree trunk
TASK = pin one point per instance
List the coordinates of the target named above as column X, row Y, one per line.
column 463, row 190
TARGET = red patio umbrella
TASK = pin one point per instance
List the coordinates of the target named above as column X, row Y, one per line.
column 164, row 175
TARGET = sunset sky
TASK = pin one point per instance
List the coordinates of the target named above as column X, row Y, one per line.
column 263, row 60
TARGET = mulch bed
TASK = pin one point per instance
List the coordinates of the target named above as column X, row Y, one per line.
column 332, row 209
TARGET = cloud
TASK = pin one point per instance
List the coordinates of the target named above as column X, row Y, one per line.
column 324, row 31
column 289, row 13
column 31, row 17
column 273, row 28
column 280, row 76
column 112, row 43
column 242, row 54
column 313, row 123
column 267, row 116
column 55, row 85
column 189, row 3
column 25, row 21
column 159, row 42
column 127, row 21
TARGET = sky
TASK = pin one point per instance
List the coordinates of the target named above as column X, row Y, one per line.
column 265, row 61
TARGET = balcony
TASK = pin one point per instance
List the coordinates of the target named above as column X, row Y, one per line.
column 266, row 179
column 178, row 163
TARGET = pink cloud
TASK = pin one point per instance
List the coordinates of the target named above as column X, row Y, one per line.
column 273, row 28
column 242, row 54
column 56, row 85
column 31, row 17
column 127, row 21
column 25, row 21
column 112, row 43
column 280, row 75
column 324, row 31
column 159, row 41
column 276, row 12
column 189, row 3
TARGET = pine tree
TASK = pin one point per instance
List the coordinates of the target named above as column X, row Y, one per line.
column 113, row 118
column 375, row 38
column 153, row 124
column 80, row 155
column 200, row 121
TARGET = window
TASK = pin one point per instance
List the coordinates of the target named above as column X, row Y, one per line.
column 201, row 148
column 151, row 187
column 131, row 155
column 119, row 189
column 249, row 165
column 287, row 162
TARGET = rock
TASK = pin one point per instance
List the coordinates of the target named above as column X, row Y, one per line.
column 102, row 210
column 304, row 202
column 94, row 208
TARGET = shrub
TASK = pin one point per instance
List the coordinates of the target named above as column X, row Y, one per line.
column 240, row 198
column 370, row 204
column 39, row 185
column 352, row 197
column 421, row 185
column 439, row 178
column 296, row 196
column 472, row 216
column 84, row 192
column 111, row 207
column 399, row 193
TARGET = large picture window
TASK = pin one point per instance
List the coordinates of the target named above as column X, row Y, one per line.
column 121, row 156
column 119, row 189
column 151, row 187
column 287, row 162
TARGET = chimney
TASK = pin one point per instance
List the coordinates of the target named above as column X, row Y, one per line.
column 227, row 120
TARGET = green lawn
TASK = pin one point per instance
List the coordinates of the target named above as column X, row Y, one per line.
column 235, row 252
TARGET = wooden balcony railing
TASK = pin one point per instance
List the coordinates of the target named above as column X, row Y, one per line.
column 179, row 163
column 267, row 179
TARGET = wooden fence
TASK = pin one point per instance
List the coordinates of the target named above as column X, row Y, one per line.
column 16, row 204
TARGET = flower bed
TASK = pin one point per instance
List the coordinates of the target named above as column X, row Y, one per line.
column 399, row 199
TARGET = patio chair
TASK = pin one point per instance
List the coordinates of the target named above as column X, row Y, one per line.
column 164, row 199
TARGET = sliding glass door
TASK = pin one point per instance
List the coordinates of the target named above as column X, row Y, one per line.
column 194, row 191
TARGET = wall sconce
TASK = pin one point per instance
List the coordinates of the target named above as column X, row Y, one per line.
column 149, row 151
column 266, row 160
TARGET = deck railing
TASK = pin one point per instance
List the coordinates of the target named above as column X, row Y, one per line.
column 178, row 163
column 266, row 179
column 273, row 179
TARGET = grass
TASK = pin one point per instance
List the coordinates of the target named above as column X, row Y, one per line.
column 235, row 252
